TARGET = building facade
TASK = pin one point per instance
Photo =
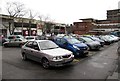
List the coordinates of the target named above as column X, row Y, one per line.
column 28, row 27
column 93, row 26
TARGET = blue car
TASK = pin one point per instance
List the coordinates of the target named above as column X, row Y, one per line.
column 78, row 48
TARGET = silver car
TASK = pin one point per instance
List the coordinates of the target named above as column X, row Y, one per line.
column 46, row 52
column 15, row 42
column 93, row 45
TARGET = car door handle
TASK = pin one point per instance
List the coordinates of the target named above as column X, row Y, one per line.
column 31, row 51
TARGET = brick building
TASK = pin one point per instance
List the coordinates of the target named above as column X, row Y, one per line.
column 93, row 26
column 83, row 27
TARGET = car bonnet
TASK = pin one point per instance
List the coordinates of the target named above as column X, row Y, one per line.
column 56, row 52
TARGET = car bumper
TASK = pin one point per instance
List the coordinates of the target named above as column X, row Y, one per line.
column 95, row 47
column 61, row 63
column 81, row 53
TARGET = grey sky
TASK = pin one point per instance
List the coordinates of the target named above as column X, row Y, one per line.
column 68, row 11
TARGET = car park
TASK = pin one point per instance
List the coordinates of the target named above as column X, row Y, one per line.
column 46, row 52
column 93, row 45
column 70, row 43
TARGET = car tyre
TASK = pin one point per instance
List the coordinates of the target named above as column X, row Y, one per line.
column 45, row 63
column 24, row 57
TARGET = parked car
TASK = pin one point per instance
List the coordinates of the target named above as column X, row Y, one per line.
column 14, row 42
column 11, row 37
column 78, row 48
column 46, row 52
column 106, row 39
column 115, row 38
column 97, row 39
column 116, row 33
column 93, row 45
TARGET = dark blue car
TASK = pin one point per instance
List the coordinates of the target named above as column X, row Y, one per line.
column 78, row 48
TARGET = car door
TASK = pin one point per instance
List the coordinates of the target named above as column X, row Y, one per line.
column 17, row 42
column 27, row 49
column 57, row 41
column 11, row 42
column 35, row 52
column 63, row 43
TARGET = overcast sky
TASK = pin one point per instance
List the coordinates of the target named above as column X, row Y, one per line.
column 68, row 11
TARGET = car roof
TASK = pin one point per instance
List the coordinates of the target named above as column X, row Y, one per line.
column 40, row 40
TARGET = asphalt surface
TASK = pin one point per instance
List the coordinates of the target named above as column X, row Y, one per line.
column 98, row 65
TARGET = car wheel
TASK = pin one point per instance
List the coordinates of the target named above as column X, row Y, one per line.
column 24, row 57
column 45, row 63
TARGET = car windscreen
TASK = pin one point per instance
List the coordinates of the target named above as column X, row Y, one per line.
column 44, row 45
column 88, row 39
column 73, row 41
column 94, row 38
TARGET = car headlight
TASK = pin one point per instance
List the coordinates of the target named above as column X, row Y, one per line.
column 76, row 47
column 57, row 58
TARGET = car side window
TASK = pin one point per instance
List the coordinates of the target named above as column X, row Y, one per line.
column 58, row 40
column 11, row 37
column 80, row 39
column 35, row 46
column 29, row 44
column 62, row 41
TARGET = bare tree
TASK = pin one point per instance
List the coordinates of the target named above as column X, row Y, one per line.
column 48, row 23
column 14, row 9
column 21, row 20
column 31, row 19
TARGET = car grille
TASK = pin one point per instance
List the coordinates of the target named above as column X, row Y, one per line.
column 66, row 56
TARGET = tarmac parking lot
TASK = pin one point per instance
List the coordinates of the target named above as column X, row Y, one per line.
column 101, row 63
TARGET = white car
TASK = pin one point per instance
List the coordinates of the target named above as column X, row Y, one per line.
column 115, row 38
column 46, row 52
